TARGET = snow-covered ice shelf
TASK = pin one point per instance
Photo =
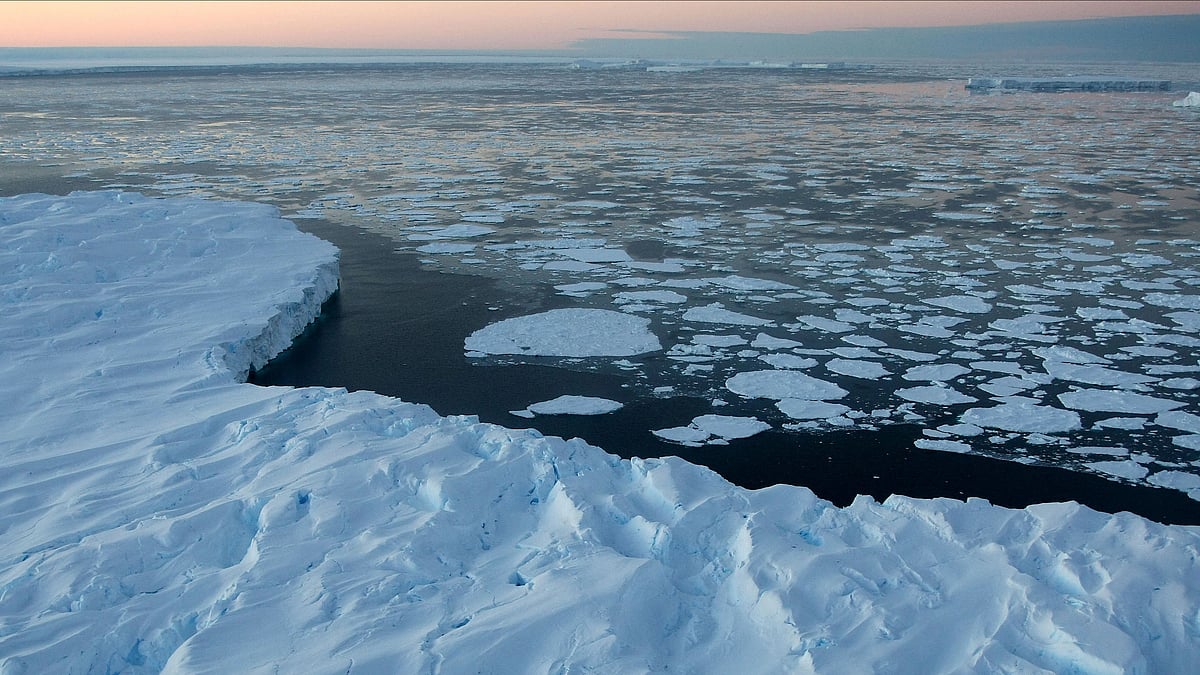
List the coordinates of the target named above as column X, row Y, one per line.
column 160, row 515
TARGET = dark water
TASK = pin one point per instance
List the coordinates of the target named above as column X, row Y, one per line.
column 397, row 329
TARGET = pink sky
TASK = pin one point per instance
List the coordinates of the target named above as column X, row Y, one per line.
column 492, row 25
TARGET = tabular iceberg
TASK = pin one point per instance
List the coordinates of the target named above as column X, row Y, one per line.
column 160, row 515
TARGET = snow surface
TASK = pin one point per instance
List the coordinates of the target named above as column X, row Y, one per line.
column 159, row 515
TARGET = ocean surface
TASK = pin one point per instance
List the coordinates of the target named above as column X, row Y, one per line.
column 1004, row 288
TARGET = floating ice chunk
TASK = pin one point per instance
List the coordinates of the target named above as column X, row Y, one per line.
column 867, row 370
column 1146, row 350
column 764, row 341
column 568, row 333
column 1098, row 242
column 935, row 373
column 719, row 340
column 926, row 329
column 483, row 217
column 1179, row 480
column 942, row 445
column 1104, row 400
column 854, row 353
column 781, row 384
column 1125, row 468
column 581, row 289
column 802, row 409
column 446, row 248
column 788, row 361
column 728, row 426
column 575, row 405
column 570, row 266
column 1023, row 417
column 1090, row 374
column 1184, row 383
column 1192, row 100
column 716, row 313
column 1190, row 442
column 1007, row 386
column 1026, row 289
column 1068, row 355
column 1189, row 321
column 705, row 428
column 920, row 241
column 827, row 325
column 596, row 255
column 863, row 341
column 667, row 297
column 683, row 435
column 1177, row 419
column 935, row 395
column 1173, row 300
column 460, row 231
column 1097, row 450
column 739, row 283
column 968, row 304
column 910, row 354
column 964, row 215
column 1007, row 367
column 1145, row 260
column 1129, row 423
column 960, row 429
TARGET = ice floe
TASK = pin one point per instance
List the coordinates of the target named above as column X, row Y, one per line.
column 569, row 404
column 567, row 333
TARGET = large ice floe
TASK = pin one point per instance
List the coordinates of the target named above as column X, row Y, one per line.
column 161, row 515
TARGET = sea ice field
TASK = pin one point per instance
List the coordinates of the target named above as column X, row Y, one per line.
column 1010, row 275
column 161, row 515
column 744, row 269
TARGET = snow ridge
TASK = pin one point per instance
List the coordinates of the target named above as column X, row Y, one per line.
column 159, row 516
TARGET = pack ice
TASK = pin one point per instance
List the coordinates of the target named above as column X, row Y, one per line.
column 161, row 515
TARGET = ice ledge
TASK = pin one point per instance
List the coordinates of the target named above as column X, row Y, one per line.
column 290, row 320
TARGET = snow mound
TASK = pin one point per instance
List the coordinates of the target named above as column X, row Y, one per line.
column 567, row 332
column 159, row 515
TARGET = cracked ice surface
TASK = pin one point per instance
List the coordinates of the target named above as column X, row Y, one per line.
column 162, row 516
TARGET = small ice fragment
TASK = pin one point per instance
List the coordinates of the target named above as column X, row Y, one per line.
column 942, row 445
column 935, row 395
column 1104, row 400
column 800, row 409
column 1124, row 468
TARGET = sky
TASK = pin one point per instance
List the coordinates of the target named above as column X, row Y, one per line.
column 483, row 26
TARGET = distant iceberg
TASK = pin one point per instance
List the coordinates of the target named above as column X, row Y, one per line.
column 1192, row 100
column 1069, row 83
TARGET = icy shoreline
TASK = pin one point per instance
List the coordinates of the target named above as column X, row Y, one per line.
column 160, row 515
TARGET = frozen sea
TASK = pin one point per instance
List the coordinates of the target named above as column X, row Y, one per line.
column 867, row 281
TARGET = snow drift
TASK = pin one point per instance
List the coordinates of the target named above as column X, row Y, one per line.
column 160, row 515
